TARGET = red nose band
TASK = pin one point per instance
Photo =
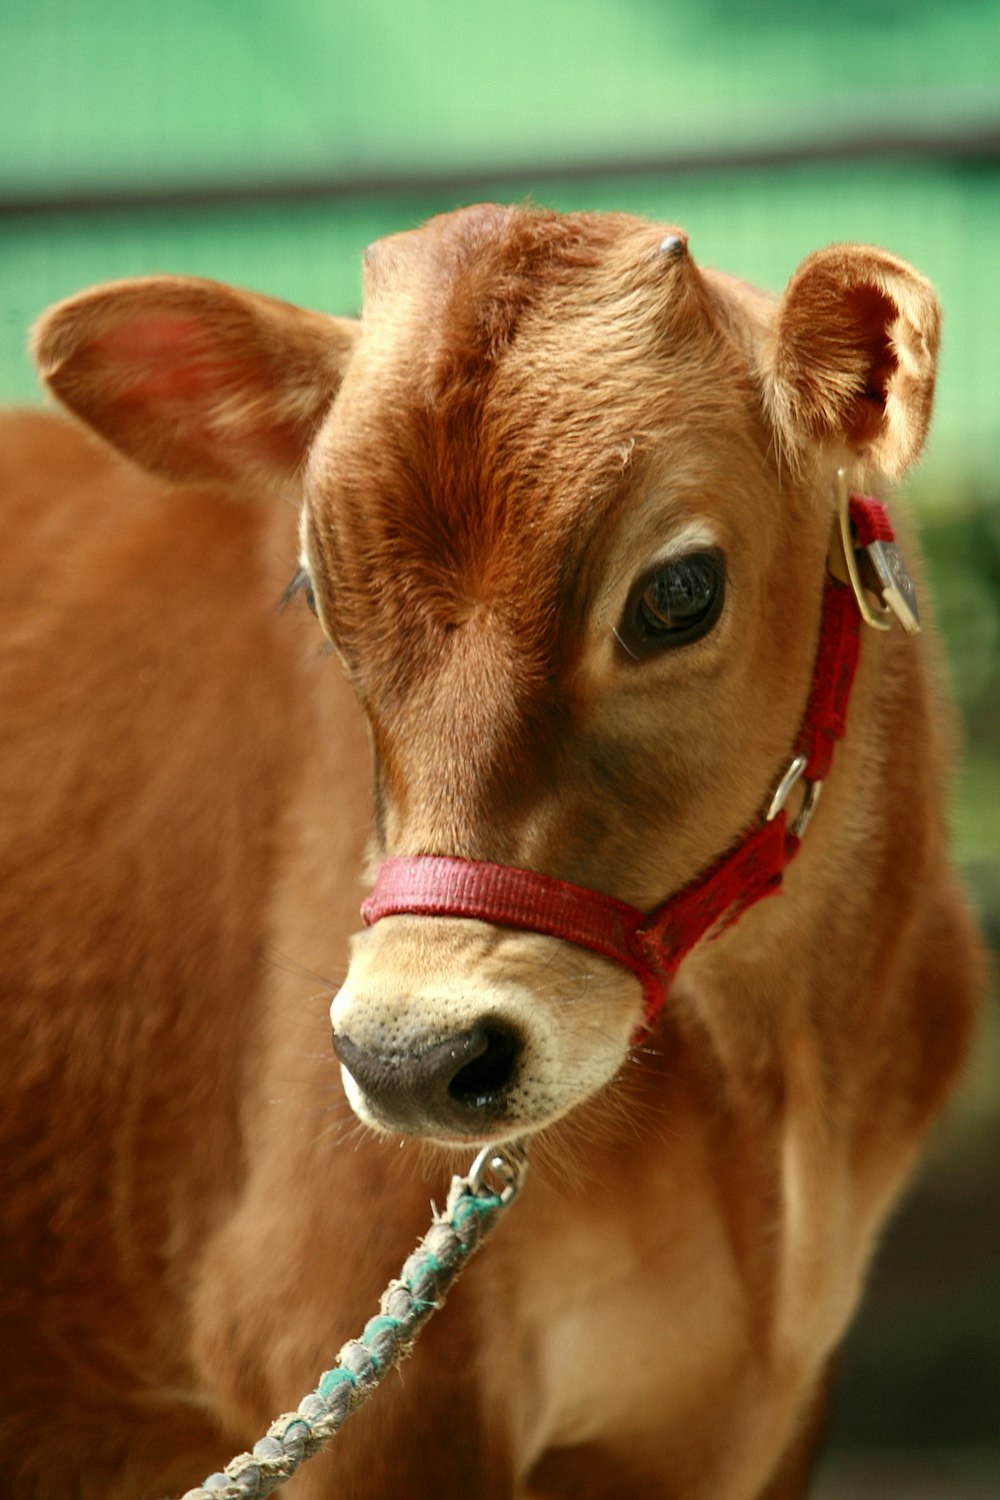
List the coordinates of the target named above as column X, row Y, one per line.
column 652, row 945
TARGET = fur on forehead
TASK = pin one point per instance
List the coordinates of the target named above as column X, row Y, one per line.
column 510, row 360
column 470, row 279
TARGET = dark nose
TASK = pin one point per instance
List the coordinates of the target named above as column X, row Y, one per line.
column 458, row 1086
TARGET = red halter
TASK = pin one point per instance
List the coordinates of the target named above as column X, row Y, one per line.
column 653, row 944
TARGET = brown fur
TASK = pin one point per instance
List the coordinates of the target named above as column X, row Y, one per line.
column 529, row 410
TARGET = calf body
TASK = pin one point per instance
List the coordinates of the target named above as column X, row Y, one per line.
column 565, row 504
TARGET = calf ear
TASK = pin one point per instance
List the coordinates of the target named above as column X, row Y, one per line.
column 195, row 380
column 853, row 358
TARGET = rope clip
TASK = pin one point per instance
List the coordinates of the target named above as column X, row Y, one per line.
column 509, row 1163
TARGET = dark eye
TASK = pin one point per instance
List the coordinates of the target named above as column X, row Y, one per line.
column 300, row 584
column 677, row 602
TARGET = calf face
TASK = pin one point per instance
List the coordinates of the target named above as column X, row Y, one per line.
column 566, row 505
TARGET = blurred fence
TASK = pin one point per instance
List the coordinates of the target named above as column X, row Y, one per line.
column 266, row 142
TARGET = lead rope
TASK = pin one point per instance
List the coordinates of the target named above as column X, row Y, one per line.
column 472, row 1211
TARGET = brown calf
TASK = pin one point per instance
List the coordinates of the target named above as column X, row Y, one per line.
column 566, row 507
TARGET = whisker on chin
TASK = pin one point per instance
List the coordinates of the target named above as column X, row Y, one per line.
column 342, row 1130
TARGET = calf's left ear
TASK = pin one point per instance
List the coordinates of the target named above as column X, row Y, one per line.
column 196, row 380
column 852, row 358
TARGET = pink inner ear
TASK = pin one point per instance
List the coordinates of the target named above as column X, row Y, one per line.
column 163, row 357
column 193, row 400
column 170, row 365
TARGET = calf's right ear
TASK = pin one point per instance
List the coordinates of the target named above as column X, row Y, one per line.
column 853, row 356
column 195, row 380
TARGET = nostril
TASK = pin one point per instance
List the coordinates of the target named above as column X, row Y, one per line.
column 491, row 1072
column 451, row 1086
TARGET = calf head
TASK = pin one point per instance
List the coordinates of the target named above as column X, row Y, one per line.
column 566, row 501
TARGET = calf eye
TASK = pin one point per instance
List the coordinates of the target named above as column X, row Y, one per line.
column 675, row 603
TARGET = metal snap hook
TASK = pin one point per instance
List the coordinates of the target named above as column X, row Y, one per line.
column 508, row 1162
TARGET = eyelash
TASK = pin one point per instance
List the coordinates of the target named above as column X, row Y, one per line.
column 301, row 583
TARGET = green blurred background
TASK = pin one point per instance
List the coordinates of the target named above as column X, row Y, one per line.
column 266, row 142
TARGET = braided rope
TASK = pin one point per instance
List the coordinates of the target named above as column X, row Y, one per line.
column 472, row 1211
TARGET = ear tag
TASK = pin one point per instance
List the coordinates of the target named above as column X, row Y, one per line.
column 886, row 574
column 896, row 584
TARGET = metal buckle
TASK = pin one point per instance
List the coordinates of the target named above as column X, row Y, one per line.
column 788, row 782
column 890, row 577
column 879, row 616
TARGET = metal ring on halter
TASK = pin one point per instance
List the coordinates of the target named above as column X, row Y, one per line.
column 788, row 782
